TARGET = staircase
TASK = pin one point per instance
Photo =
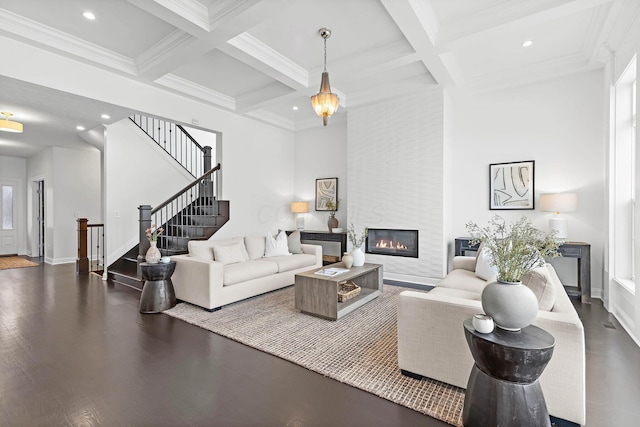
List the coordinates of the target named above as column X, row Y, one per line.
column 193, row 213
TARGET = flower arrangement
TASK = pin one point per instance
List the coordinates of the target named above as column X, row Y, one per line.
column 153, row 232
column 514, row 248
column 355, row 240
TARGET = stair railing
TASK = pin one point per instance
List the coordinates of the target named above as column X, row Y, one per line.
column 198, row 196
column 176, row 141
column 90, row 247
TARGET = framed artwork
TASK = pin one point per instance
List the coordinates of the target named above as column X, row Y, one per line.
column 326, row 191
column 511, row 185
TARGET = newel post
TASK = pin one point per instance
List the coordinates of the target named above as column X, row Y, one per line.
column 82, row 262
column 145, row 222
column 206, row 186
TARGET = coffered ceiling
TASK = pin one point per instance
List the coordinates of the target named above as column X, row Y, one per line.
column 262, row 58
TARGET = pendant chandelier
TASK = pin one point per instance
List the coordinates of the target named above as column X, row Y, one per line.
column 324, row 102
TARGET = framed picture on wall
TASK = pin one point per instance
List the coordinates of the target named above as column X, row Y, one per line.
column 511, row 185
column 326, row 191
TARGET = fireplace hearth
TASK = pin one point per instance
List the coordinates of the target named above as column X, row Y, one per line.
column 386, row 241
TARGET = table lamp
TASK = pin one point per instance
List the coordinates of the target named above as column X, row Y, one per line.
column 559, row 202
column 299, row 208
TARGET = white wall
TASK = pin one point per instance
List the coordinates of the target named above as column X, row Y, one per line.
column 14, row 170
column 559, row 124
column 320, row 152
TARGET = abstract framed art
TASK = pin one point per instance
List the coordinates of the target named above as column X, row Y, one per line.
column 326, row 191
column 511, row 185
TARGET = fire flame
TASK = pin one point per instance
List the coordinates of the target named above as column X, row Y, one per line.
column 390, row 244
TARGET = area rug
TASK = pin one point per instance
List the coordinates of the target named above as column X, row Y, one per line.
column 360, row 349
column 7, row 262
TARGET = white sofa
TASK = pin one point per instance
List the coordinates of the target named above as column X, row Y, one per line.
column 214, row 273
column 431, row 341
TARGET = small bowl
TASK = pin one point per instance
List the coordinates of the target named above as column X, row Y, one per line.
column 165, row 259
column 337, row 230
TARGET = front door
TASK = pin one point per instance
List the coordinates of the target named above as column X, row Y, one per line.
column 8, row 241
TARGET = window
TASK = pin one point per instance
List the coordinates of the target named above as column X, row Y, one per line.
column 7, row 207
column 624, row 178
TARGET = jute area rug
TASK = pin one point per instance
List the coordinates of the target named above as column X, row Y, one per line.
column 15, row 262
column 360, row 349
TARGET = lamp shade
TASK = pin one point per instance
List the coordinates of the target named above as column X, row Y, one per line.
column 559, row 202
column 299, row 207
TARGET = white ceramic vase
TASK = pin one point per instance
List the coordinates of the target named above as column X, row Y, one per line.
column 512, row 306
column 347, row 260
column 153, row 253
column 358, row 257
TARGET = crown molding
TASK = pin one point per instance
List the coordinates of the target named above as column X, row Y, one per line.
column 191, row 10
column 265, row 54
column 187, row 87
column 155, row 55
column 33, row 31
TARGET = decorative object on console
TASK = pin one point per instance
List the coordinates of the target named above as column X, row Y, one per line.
column 559, row 202
column 153, row 254
column 514, row 249
column 299, row 208
column 325, row 103
column 9, row 125
column 332, row 222
column 347, row 260
column 511, row 185
column 326, row 191
column 357, row 242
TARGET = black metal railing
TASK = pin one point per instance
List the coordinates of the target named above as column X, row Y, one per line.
column 91, row 255
column 183, row 216
column 176, row 141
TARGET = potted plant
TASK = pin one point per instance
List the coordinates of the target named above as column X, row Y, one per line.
column 153, row 253
column 332, row 207
column 514, row 249
column 357, row 242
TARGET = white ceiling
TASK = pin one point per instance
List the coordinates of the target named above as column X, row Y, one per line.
column 260, row 58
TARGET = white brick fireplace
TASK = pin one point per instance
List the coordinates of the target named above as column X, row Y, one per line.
column 395, row 178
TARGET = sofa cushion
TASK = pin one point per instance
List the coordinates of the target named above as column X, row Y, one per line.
column 255, row 246
column 463, row 279
column 293, row 240
column 457, row 293
column 292, row 262
column 248, row 270
column 229, row 254
column 201, row 249
column 276, row 246
column 484, row 265
column 234, row 241
column 540, row 282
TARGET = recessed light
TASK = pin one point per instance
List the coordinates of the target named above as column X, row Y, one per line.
column 527, row 43
column 90, row 16
column 295, row 108
column 79, row 127
column 105, row 116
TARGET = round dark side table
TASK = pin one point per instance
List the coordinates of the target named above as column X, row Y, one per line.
column 503, row 388
column 158, row 293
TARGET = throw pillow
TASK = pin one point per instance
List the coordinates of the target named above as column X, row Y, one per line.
column 228, row 254
column 293, row 240
column 276, row 246
column 540, row 283
column 233, row 241
column 484, row 266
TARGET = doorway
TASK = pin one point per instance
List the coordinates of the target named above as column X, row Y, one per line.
column 39, row 226
column 8, row 240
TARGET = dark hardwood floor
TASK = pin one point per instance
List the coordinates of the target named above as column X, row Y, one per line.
column 74, row 350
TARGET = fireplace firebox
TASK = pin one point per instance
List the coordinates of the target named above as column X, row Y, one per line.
column 385, row 241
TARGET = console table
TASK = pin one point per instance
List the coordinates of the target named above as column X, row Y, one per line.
column 326, row 236
column 158, row 293
column 579, row 250
column 503, row 387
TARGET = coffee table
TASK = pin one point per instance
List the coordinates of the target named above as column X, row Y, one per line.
column 318, row 295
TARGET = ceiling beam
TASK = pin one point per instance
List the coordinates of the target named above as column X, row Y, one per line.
column 416, row 31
